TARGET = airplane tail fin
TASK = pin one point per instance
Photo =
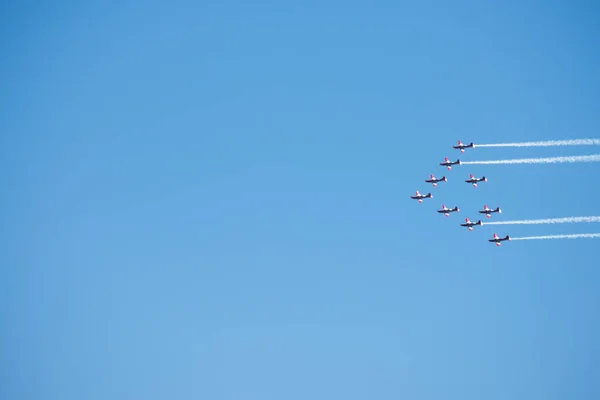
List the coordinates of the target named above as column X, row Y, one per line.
column 456, row 209
column 429, row 195
column 499, row 210
column 508, row 238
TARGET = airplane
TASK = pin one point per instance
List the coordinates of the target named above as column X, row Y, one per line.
column 498, row 239
column 474, row 180
column 420, row 196
column 462, row 146
column 449, row 164
column 488, row 211
column 435, row 180
column 447, row 210
column 470, row 224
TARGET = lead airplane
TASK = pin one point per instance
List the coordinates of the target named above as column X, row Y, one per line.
column 435, row 180
column 449, row 164
column 474, row 180
column 446, row 211
column 470, row 224
column 462, row 146
column 497, row 239
column 420, row 196
column 488, row 211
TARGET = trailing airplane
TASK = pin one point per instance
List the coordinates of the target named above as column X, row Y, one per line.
column 470, row 224
column 498, row 239
column 474, row 180
column 435, row 180
column 487, row 211
column 446, row 211
column 420, row 196
column 462, row 146
column 449, row 164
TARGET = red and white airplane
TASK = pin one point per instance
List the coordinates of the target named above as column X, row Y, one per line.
column 449, row 164
column 488, row 211
column 420, row 196
column 462, row 146
column 474, row 180
column 435, row 180
column 446, row 211
column 470, row 224
column 497, row 239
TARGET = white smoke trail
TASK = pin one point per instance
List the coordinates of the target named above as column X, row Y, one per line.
column 546, row 160
column 575, row 236
column 547, row 143
column 566, row 220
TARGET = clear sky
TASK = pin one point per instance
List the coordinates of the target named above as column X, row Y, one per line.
column 210, row 200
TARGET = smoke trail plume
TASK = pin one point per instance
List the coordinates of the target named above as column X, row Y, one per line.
column 547, row 143
column 566, row 220
column 545, row 160
column 575, row 236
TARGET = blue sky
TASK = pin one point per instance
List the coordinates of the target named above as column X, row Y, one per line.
column 211, row 200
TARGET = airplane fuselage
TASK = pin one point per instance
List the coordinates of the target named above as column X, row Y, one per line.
column 488, row 212
column 462, row 147
column 471, row 224
column 447, row 211
column 497, row 240
column 420, row 197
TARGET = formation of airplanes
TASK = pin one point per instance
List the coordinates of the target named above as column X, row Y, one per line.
column 473, row 180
